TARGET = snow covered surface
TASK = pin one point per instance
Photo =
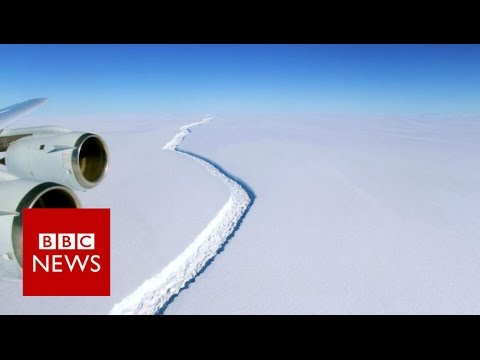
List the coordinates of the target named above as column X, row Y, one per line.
column 351, row 215
column 155, row 293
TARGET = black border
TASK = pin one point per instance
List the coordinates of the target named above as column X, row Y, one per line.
column 221, row 24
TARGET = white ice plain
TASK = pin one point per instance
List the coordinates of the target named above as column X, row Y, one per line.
column 154, row 295
column 350, row 216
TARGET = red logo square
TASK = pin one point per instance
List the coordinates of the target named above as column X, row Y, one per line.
column 66, row 252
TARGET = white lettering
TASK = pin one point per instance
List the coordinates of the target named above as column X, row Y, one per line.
column 76, row 259
column 44, row 266
column 55, row 263
column 96, row 263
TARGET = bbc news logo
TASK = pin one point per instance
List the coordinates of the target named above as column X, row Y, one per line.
column 66, row 252
column 66, row 242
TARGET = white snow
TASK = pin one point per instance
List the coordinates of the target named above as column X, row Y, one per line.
column 155, row 292
column 184, row 130
column 352, row 215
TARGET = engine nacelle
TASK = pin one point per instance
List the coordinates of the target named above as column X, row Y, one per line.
column 25, row 193
column 74, row 159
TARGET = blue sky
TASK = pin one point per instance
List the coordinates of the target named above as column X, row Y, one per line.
column 343, row 79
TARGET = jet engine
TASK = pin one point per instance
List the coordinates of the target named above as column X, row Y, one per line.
column 44, row 165
column 74, row 159
column 25, row 193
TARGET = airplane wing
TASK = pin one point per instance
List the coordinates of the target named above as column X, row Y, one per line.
column 12, row 113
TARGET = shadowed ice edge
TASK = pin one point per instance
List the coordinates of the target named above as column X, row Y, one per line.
column 252, row 197
column 159, row 291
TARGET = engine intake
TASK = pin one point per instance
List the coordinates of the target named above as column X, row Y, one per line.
column 90, row 160
column 17, row 195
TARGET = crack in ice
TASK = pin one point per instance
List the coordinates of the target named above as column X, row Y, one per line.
column 157, row 292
